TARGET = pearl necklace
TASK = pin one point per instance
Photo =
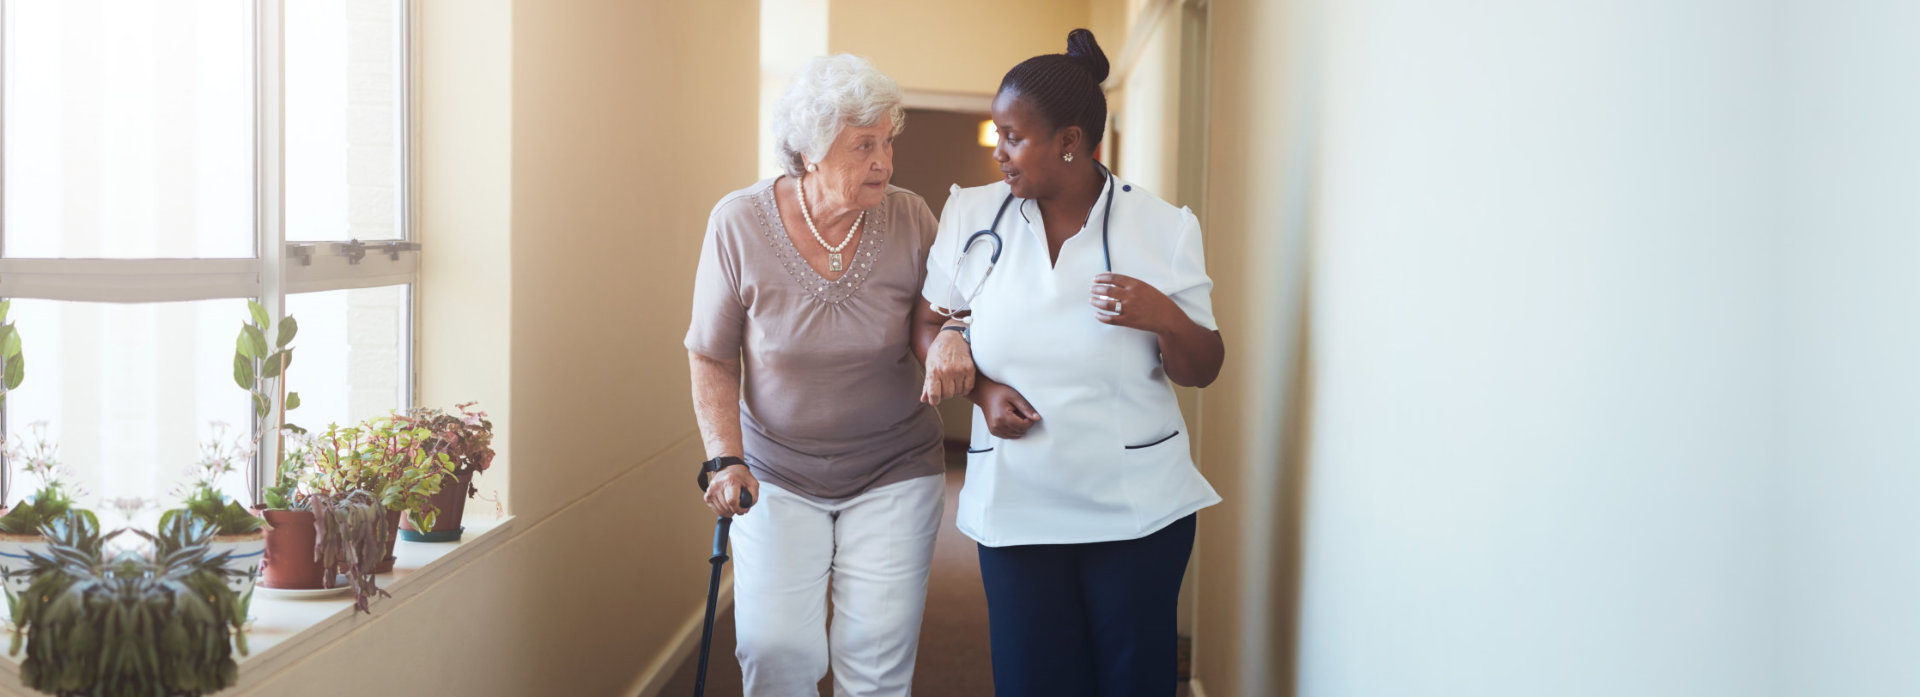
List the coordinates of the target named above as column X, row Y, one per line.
column 833, row 251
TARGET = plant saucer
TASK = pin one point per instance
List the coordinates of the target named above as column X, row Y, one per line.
column 340, row 587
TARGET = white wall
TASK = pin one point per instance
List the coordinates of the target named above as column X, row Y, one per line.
column 1543, row 359
column 1851, row 344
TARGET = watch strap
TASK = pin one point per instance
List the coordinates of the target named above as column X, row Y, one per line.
column 715, row 465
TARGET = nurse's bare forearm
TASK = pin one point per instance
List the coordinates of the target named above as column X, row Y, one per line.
column 1191, row 353
column 716, row 403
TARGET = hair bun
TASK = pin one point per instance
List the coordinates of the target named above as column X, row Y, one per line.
column 1081, row 47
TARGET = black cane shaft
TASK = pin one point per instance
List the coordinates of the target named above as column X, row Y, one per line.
column 718, row 559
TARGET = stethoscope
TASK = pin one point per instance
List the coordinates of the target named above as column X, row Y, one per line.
column 992, row 234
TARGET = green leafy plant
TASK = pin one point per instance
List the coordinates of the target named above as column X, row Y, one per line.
column 350, row 477
column 226, row 516
column 401, row 464
column 260, row 368
column 129, row 625
column 352, row 537
column 218, row 457
column 13, row 372
column 41, row 458
column 13, row 364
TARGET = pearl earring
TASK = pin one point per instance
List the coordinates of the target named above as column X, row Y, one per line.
column 1068, row 157
column 813, row 167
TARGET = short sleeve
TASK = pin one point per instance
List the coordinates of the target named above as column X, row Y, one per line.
column 719, row 316
column 937, row 286
column 925, row 231
column 1191, row 288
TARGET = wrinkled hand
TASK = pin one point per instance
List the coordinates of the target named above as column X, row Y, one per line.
column 949, row 368
column 1141, row 305
column 723, row 490
column 1008, row 414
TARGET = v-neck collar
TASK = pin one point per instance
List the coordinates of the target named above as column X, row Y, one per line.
column 872, row 239
column 1037, row 227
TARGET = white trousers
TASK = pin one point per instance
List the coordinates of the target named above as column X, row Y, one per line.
column 876, row 548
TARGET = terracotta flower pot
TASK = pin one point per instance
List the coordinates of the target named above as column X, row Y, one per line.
column 290, row 563
column 393, row 533
column 452, row 503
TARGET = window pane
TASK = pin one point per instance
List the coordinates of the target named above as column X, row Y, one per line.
column 352, row 354
column 128, row 393
column 128, row 129
column 343, row 156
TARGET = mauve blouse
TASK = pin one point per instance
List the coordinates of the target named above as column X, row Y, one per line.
column 830, row 407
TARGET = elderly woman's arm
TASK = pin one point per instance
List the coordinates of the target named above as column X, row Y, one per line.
column 716, row 407
column 948, row 358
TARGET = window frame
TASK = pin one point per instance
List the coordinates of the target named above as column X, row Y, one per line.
column 290, row 268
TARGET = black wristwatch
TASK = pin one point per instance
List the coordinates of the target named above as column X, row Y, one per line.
column 966, row 332
column 715, row 465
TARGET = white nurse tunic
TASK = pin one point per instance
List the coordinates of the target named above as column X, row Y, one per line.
column 1109, row 458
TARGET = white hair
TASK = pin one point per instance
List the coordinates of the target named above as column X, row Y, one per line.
column 829, row 94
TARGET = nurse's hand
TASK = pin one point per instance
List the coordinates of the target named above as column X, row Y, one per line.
column 723, row 491
column 1141, row 306
column 949, row 368
column 1008, row 414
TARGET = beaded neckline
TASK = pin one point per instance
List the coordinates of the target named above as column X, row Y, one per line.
column 774, row 230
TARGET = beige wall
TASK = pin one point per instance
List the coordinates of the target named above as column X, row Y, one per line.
column 963, row 47
column 579, row 174
column 463, row 213
column 1254, row 231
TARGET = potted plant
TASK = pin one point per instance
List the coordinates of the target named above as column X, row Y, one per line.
column 237, row 531
column 20, row 526
column 291, row 560
column 345, row 524
column 401, row 464
column 290, row 529
column 467, row 440
column 165, row 624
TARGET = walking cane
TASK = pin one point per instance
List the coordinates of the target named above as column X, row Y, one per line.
column 718, row 560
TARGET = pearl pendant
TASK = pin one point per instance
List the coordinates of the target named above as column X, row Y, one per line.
column 833, row 262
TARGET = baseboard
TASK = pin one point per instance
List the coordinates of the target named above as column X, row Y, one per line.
column 655, row 677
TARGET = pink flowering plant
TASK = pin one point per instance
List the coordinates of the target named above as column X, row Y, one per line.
column 466, row 437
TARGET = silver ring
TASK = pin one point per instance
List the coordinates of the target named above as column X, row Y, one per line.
column 1116, row 307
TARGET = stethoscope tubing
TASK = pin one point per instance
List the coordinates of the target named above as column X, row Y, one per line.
column 992, row 234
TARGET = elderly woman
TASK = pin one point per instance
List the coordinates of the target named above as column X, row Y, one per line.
column 808, row 281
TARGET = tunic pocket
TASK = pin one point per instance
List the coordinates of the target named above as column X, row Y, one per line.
column 1162, row 439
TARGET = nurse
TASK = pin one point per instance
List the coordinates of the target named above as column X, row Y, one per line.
column 1080, row 489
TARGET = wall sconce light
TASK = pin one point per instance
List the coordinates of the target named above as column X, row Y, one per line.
column 989, row 136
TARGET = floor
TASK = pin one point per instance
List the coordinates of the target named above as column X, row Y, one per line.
column 953, row 659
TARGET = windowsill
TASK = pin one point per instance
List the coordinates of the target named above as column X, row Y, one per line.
column 286, row 630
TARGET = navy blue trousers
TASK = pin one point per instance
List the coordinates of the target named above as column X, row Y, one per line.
column 1095, row 619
